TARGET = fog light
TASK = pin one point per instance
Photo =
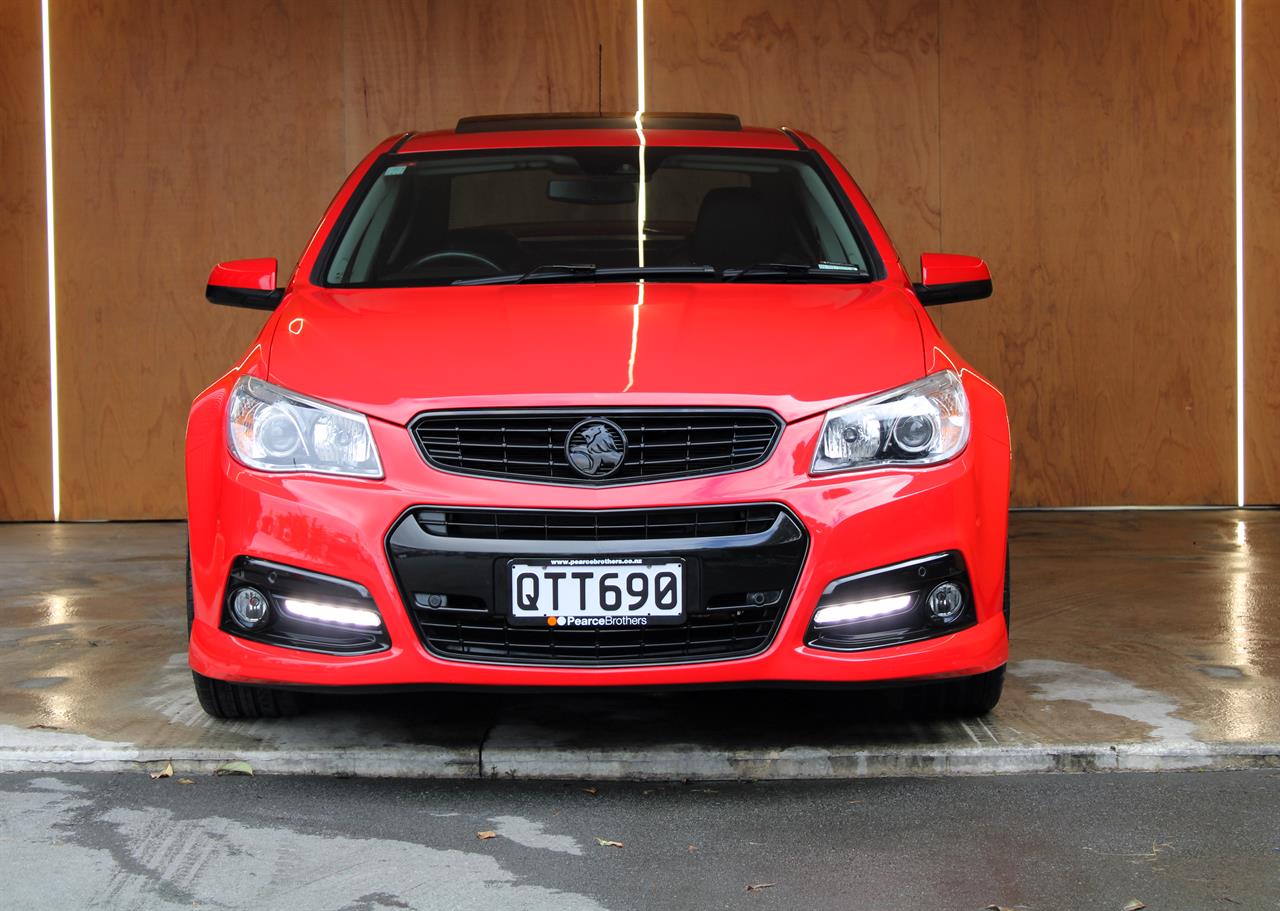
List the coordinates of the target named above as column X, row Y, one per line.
column 249, row 608
column 945, row 603
column 332, row 613
column 852, row 611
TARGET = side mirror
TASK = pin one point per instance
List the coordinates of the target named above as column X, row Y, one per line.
column 244, row 283
column 947, row 279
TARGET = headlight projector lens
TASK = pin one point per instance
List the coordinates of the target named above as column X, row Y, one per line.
column 279, row 434
column 945, row 603
column 914, row 433
column 249, row 608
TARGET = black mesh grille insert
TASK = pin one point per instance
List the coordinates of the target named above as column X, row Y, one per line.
column 729, row 635
column 742, row 563
column 660, row 443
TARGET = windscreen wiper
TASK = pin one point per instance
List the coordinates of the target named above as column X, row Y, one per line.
column 820, row 271
column 553, row 272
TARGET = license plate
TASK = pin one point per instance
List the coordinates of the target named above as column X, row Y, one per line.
column 591, row 593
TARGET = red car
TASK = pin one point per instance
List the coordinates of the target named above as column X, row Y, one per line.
column 583, row 401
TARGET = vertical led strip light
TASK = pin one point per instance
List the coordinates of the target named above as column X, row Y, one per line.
column 55, row 466
column 641, row 212
column 641, row 200
column 1239, row 73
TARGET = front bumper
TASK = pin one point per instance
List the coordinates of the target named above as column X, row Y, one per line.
column 340, row 527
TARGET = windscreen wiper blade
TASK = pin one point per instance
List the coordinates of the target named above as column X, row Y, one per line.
column 545, row 270
column 822, row 271
column 589, row 272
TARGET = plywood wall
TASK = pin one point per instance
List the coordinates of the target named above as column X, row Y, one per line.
column 185, row 133
column 26, row 490
column 192, row 132
column 1087, row 153
column 422, row 65
column 1083, row 148
column 1262, row 249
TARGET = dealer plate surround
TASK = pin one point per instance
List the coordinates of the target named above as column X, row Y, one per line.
column 627, row 592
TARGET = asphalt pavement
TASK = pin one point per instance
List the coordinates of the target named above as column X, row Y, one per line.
column 1108, row 841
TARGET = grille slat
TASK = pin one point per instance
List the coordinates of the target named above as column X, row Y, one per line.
column 586, row 525
column 661, row 444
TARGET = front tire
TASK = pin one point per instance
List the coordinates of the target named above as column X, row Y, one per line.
column 238, row 700
column 967, row 697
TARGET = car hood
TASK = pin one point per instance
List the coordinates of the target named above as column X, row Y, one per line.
column 797, row 349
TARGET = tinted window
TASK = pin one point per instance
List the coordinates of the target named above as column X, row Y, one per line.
column 444, row 217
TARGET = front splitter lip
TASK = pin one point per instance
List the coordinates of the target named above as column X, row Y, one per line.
column 972, row 651
column 605, row 689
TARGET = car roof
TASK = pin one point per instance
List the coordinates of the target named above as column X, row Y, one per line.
column 528, row 131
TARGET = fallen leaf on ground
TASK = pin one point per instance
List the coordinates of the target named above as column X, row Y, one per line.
column 756, row 887
column 185, row 781
column 592, row 791
column 1135, row 905
column 608, row 843
column 486, row 835
column 166, row 772
column 234, row 767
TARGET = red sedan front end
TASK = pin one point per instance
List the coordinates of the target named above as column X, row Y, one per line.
column 563, row 403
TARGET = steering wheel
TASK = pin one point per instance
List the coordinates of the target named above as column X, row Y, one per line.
column 463, row 255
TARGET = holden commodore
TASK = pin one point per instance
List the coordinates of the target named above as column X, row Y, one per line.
column 579, row 401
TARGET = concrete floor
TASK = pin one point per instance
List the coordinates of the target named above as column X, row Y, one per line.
column 1141, row 640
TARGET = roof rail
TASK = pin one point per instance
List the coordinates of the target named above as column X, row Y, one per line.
column 608, row 120
column 795, row 137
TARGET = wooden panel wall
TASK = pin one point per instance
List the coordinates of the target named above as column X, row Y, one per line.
column 861, row 76
column 191, row 132
column 1087, row 152
column 1262, row 249
column 1083, row 148
column 185, row 133
column 416, row 64
column 25, row 483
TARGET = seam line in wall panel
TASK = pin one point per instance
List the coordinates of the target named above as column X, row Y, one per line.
column 55, row 469
column 1239, row 194
column 938, row 31
column 639, row 58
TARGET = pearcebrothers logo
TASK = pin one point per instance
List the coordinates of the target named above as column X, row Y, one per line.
column 598, row 621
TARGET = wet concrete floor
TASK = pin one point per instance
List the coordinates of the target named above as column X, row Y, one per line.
column 1146, row 635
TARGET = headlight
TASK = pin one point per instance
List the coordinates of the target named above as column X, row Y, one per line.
column 272, row 429
column 920, row 424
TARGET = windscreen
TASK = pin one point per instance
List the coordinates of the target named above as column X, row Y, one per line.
column 597, row 214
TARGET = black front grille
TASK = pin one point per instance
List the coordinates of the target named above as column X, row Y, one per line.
column 660, row 443
column 742, row 563
column 597, row 525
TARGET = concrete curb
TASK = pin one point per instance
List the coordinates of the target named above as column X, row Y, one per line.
column 800, row 763
column 423, row 762
column 667, row 763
